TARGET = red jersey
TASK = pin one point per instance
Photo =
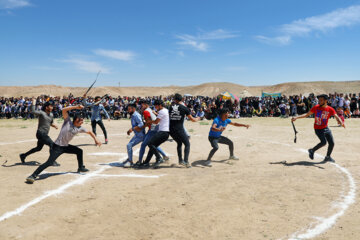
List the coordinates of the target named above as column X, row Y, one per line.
column 322, row 115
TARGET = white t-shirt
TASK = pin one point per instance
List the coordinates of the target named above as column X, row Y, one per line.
column 164, row 123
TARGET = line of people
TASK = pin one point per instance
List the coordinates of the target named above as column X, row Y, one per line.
column 161, row 124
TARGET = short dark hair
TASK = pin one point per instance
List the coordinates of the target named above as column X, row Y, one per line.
column 223, row 111
column 178, row 97
column 77, row 116
column 46, row 104
column 158, row 103
column 144, row 101
column 325, row 96
column 97, row 97
column 133, row 105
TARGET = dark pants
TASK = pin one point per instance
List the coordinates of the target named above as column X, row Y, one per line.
column 325, row 135
column 181, row 138
column 55, row 152
column 154, row 142
column 101, row 124
column 43, row 139
column 222, row 140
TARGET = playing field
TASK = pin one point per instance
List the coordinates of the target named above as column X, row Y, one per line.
column 258, row 197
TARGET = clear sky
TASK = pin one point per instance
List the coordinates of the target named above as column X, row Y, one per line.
column 168, row 42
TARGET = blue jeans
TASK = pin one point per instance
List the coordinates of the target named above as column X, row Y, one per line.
column 148, row 136
column 133, row 142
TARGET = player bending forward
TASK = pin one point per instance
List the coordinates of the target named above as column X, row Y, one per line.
column 217, row 128
column 322, row 114
column 68, row 130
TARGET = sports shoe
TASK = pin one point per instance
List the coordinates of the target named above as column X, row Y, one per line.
column 56, row 164
column 166, row 158
column 158, row 162
column 82, row 169
column 22, row 158
column 208, row 163
column 181, row 162
column 233, row 158
column 144, row 165
column 128, row 164
column 187, row 165
column 30, row 179
column 311, row 154
column 329, row 159
column 106, row 141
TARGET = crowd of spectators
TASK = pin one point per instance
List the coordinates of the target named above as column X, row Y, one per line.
column 200, row 106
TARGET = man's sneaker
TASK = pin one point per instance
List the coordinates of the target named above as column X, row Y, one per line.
column 208, row 163
column 233, row 158
column 166, row 158
column 144, row 165
column 82, row 169
column 182, row 163
column 187, row 165
column 311, row 154
column 30, row 179
column 158, row 162
column 329, row 159
column 128, row 164
column 106, row 141
column 22, row 158
column 56, row 164
column 137, row 164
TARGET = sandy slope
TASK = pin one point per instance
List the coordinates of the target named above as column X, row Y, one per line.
column 208, row 89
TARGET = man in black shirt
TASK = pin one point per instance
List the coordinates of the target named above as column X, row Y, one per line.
column 177, row 113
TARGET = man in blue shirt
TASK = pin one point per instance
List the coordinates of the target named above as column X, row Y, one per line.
column 96, row 108
column 218, row 126
column 137, row 126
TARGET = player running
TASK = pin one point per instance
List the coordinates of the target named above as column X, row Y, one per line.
column 177, row 113
column 46, row 119
column 322, row 114
column 96, row 108
column 217, row 128
column 68, row 130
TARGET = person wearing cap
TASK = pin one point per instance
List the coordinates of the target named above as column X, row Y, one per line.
column 322, row 113
column 46, row 120
column 160, row 137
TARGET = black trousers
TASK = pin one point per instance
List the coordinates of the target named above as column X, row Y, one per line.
column 325, row 136
column 181, row 138
column 222, row 140
column 55, row 152
column 43, row 139
column 154, row 142
column 101, row 124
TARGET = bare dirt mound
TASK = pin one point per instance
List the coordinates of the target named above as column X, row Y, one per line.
column 207, row 89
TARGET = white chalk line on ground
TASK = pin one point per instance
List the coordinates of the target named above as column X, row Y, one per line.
column 34, row 139
column 80, row 180
column 325, row 223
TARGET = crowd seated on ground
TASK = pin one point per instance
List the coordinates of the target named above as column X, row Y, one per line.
column 346, row 105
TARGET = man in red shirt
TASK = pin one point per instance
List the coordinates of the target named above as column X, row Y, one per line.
column 322, row 113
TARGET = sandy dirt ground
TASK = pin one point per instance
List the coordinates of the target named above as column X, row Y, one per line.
column 258, row 197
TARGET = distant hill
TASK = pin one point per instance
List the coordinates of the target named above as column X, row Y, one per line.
column 206, row 89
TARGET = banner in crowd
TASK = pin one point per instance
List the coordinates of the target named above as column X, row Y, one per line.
column 264, row 94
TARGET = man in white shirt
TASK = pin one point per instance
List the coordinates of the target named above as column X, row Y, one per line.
column 161, row 136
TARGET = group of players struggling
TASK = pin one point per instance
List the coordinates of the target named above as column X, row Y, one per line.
column 160, row 124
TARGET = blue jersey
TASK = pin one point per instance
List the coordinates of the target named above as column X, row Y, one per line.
column 219, row 123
